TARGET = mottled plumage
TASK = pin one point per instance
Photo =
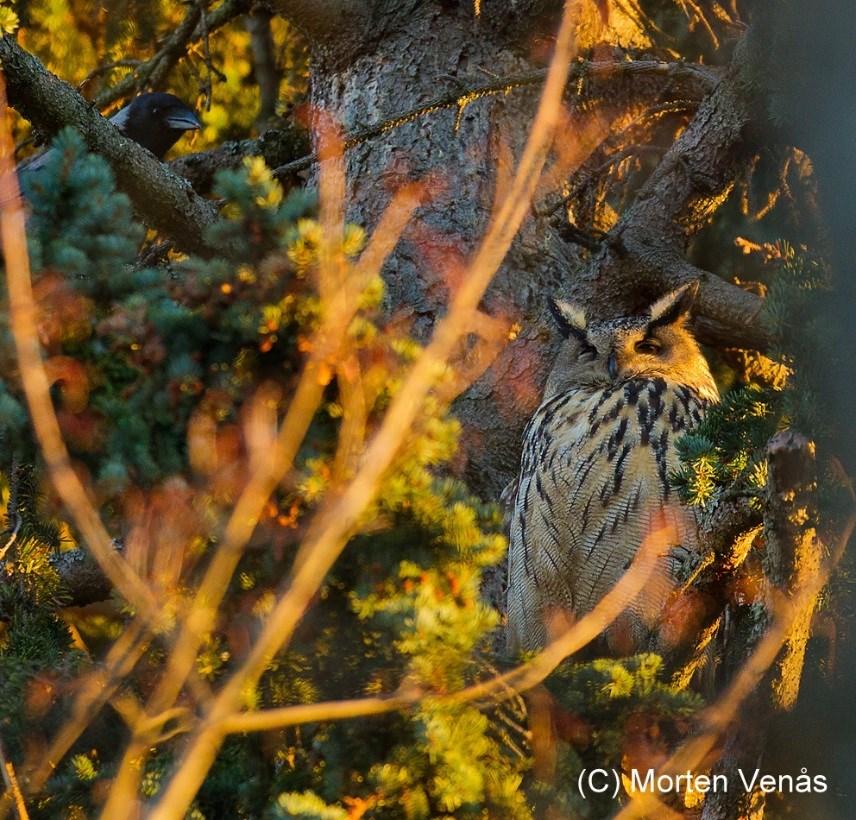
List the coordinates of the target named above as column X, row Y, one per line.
column 594, row 474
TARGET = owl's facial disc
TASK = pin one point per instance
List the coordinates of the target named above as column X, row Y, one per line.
column 656, row 343
column 631, row 347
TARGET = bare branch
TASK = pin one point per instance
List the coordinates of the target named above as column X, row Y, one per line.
column 153, row 72
column 328, row 534
column 165, row 201
column 268, row 719
column 265, row 69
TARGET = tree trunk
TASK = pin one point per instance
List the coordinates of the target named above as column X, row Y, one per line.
column 410, row 54
column 443, row 50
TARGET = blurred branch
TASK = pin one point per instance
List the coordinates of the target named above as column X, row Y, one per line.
column 153, row 72
column 265, row 69
column 268, row 719
column 648, row 243
column 329, row 532
column 165, row 201
column 12, row 790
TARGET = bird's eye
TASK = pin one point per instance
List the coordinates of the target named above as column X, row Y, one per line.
column 650, row 346
column 587, row 353
column 155, row 110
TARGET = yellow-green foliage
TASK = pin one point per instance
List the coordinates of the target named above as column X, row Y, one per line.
column 402, row 606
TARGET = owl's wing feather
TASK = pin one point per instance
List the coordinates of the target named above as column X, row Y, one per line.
column 593, row 487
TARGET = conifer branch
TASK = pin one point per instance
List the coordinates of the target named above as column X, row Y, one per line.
column 164, row 200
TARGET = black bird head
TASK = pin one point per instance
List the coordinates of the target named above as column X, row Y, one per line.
column 156, row 121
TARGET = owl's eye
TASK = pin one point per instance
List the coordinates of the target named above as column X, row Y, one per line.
column 650, row 346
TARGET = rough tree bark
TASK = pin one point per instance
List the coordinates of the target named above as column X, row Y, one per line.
column 407, row 54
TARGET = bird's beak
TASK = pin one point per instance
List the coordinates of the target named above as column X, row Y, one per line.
column 184, row 121
column 612, row 366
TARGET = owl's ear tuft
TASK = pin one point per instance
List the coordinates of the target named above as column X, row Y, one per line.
column 570, row 318
column 674, row 305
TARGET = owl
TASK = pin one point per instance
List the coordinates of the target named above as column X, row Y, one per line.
column 594, row 474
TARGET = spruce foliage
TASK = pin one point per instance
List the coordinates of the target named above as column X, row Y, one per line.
column 780, row 390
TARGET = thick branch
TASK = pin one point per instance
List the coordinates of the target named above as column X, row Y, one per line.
column 647, row 246
column 278, row 147
column 164, row 201
column 728, row 316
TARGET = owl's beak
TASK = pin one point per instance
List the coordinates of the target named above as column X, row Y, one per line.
column 612, row 366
